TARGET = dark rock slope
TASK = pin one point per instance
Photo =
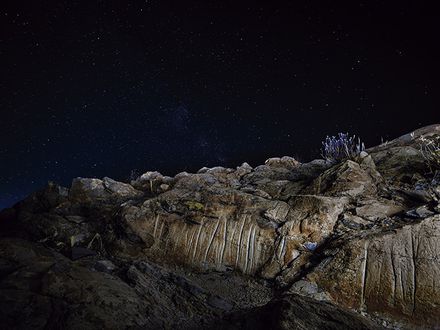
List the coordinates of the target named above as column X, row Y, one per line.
column 283, row 245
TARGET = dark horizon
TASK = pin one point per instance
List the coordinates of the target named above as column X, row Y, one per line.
column 103, row 88
column 165, row 171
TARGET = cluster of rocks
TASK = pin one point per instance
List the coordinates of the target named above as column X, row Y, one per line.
column 281, row 245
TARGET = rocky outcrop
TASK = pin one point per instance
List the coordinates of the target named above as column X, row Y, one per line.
column 43, row 289
column 92, row 190
column 394, row 272
column 352, row 244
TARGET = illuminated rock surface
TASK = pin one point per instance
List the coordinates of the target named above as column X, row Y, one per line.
column 313, row 245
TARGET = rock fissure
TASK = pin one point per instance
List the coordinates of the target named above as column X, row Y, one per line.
column 364, row 274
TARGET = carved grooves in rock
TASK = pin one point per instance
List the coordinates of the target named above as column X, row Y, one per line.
column 222, row 242
column 253, row 254
column 364, row 274
column 225, row 238
column 197, row 241
column 155, row 225
column 248, row 246
column 393, row 266
column 239, row 240
column 414, row 255
column 280, row 209
column 188, row 247
column 211, row 239
column 281, row 249
column 232, row 238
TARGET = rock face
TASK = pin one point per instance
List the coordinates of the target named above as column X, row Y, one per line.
column 396, row 272
column 283, row 245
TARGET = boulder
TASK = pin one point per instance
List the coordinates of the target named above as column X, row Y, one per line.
column 285, row 161
column 120, row 189
column 90, row 190
column 87, row 189
column 373, row 209
column 348, row 179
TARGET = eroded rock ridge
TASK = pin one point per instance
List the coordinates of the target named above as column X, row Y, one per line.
column 358, row 239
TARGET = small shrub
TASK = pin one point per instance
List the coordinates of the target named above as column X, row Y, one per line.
column 430, row 150
column 340, row 147
column 134, row 174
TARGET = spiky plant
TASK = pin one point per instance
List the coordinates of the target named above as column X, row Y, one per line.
column 340, row 147
column 430, row 150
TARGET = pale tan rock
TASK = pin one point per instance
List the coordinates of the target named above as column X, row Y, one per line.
column 360, row 233
column 90, row 189
column 378, row 209
column 310, row 219
column 120, row 188
column 346, row 179
column 208, row 236
column 394, row 274
column 87, row 189
column 243, row 169
column 285, row 161
column 164, row 187
column 278, row 213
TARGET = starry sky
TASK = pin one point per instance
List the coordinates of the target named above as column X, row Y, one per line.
column 115, row 88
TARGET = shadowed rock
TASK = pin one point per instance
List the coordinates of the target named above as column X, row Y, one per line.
column 282, row 245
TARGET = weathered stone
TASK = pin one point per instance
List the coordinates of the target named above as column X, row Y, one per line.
column 313, row 216
column 120, row 189
column 41, row 288
column 347, row 179
column 285, row 161
column 399, row 163
column 243, row 169
column 309, row 289
column 104, row 266
column 420, row 212
column 203, row 169
column 96, row 190
column 310, row 220
column 151, row 181
column 219, row 237
column 164, row 187
column 394, row 274
column 378, row 209
column 256, row 192
column 361, row 234
column 278, row 213
column 354, row 222
column 86, row 189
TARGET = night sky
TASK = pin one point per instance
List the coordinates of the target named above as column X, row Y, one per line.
column 102, row 88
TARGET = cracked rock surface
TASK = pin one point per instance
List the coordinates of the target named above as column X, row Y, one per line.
column 283, row 245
